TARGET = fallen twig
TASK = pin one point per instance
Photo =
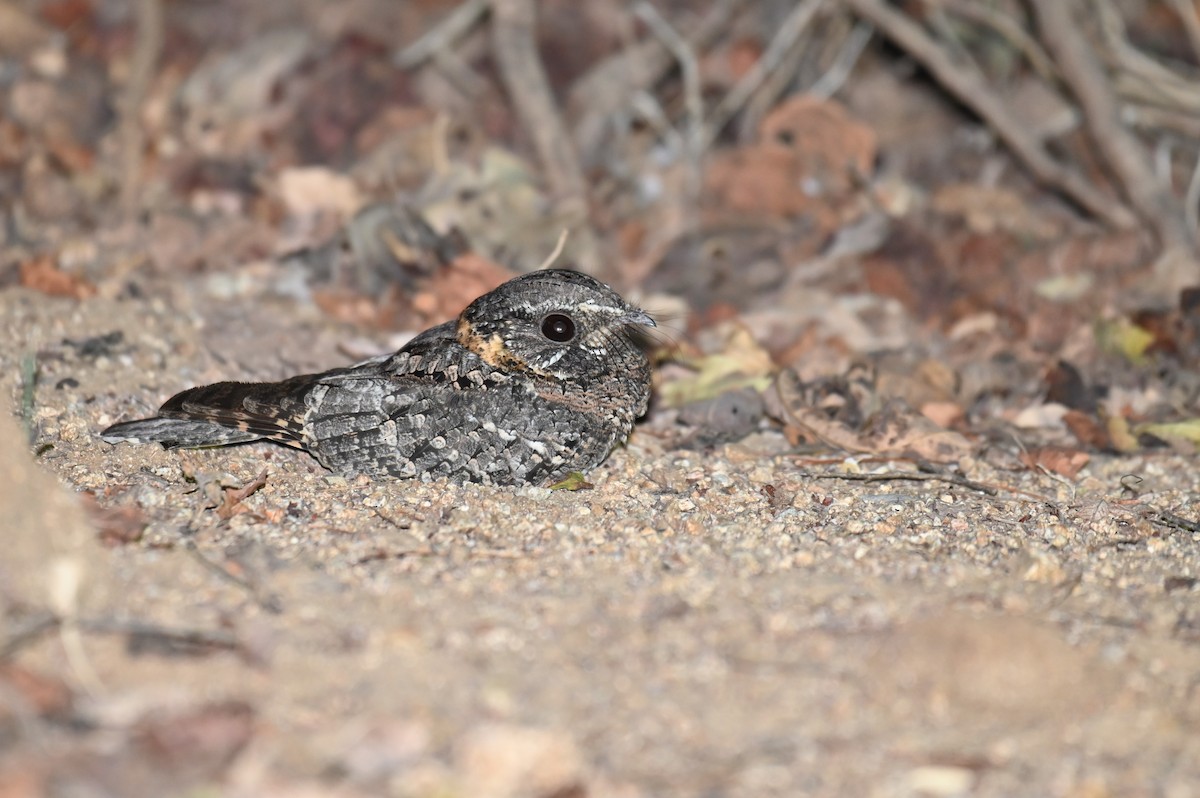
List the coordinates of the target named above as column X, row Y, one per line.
column 906, row 476
column 146, row 51
column 268, row 601
column 969, row 87
column 791, row 29
column 442, row 36
column 515, row 48
column 607, row 87
column 147, row 636
column 1008, row 28
column 1129, row 162
column 835, row 76
column 232, row 497
column 688, row 66
column 140, row 633
column 1187, row 13
column 29, row 375
column 28, row 634
column 1139, row 76
column 990, row 489
column 558, row 250
column 1174, row 521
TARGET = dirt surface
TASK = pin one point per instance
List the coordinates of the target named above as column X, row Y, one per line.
column 914, row 512
column 714, row 622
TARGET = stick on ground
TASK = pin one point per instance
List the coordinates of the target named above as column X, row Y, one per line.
column 967, row 85
column 1122, row 152
column 514, row 45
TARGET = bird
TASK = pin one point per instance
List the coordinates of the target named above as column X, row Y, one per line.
column 537, row 379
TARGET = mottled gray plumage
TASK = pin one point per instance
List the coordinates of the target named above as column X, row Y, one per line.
column 538, row 378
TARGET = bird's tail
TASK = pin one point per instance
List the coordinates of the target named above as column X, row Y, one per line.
column 221, row 414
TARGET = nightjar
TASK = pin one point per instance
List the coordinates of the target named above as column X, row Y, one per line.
column 540, row 377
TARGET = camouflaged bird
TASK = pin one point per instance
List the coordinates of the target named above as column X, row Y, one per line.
column 540, row 377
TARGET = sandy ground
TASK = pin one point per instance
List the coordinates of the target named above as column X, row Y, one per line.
column 700, row 623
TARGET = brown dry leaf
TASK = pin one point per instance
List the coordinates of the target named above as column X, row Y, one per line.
column 1066, row 386
column 835, row 149
column 1164, row 326
column 908, row 266
column 200, row 742
column 349, row 307
column 945, row 414
column 928, row 381
column 829, row 414
column 20, row 33
column 42, row 274
column 1060, row 460
column 1122, row 437
column 75, row 157
column 766, row 181
column 118, row 526
column 895, row 431
column 43, row 694
column 231, row 498
column 989, row 209
column 309, row 190
column 1087, row 429
column 456, row 285
column 811, row 154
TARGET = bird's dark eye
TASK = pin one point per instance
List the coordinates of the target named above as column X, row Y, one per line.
column 558, row 328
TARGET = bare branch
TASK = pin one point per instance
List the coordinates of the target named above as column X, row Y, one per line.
column 969, row 87
column 442, row 37
column 791, row 30
column 1123, row 153
column 146, row 52
column 515, row 47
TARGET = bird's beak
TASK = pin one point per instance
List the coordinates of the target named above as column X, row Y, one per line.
column 638, row 316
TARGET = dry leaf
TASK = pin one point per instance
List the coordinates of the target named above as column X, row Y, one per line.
column 116, row 526
column 1123, row 439
column 811, row 154
column 20, row 32
column 836, row 150
column 895, row 431
column 1187, row 431
column 41, row 693
column 1123, row 337
column 231, row 498
column 1087, row 430
column 1062, row 461
column 42, row 274
column 199, row 741
column 572, row 481
column 456, row 285
column 944, row 414
column 989, row 209
column 898, row 431
column 309, row 190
